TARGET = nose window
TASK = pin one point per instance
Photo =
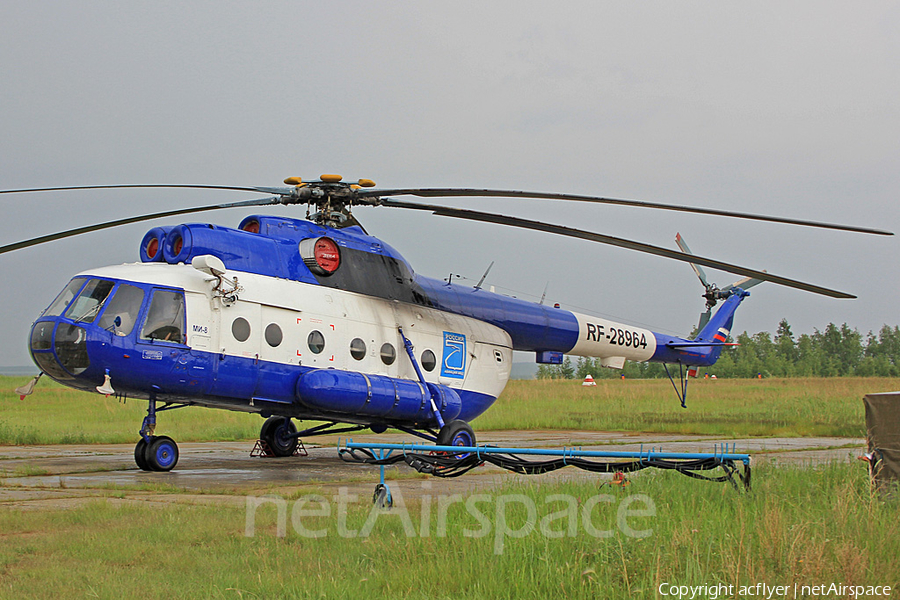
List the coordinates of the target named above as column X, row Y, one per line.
column 165, row 318
column 42, row 336
column 122, row 309
column 71, row 348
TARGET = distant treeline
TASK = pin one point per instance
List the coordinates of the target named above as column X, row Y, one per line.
column 836, row 351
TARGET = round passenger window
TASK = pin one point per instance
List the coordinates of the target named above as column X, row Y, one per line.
column 358, row 349
column 388, row 354
column 240, row 329
column 274, row 335
column 316, row 342
column 428, row 360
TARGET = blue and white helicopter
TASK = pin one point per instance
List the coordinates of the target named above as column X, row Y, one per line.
column 314, row 319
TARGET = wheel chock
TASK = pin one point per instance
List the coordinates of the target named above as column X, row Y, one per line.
column 261, row 449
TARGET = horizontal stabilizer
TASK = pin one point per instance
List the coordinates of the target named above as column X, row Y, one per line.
column 699, row 344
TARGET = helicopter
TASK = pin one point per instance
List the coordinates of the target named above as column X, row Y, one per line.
column 314, row 319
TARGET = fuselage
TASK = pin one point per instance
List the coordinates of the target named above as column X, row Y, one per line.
column 311, row 330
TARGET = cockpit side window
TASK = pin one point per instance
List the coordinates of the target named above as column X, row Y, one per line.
column 124, row 305
column 59, row 305
column 165, row 318
column 89, row 302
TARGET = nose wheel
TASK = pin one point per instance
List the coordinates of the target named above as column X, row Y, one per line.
column 155, row 452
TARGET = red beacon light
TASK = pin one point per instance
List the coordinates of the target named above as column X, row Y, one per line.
column 321, row 255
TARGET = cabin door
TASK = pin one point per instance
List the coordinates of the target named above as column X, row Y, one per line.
column 240, row 337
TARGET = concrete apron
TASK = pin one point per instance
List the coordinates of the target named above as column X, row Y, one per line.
column 49, row 477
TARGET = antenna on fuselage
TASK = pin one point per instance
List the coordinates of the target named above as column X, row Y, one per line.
column 544, row 295
column 483, row 277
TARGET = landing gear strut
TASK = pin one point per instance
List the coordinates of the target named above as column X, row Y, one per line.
column 155, row 452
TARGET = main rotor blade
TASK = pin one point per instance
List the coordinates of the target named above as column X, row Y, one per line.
column 460, row 192
column 473, row 215
column 263, row 190
column 169, row 213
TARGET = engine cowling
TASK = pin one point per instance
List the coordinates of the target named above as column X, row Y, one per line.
column 153, row 243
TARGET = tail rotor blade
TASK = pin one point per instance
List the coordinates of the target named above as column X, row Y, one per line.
column 701, row 274
column 704, row 319
column 745, row 284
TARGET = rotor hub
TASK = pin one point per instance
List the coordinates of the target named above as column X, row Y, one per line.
column 332, row 198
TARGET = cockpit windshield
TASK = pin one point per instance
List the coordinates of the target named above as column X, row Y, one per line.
column 61, row 302
column 122, row 309
column 89, row 302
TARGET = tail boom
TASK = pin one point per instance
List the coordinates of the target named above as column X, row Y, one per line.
column 614, row 343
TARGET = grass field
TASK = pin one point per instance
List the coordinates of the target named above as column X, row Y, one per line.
column 731, row 407
column 735, row 407
column 803, row 526
column 799, row 525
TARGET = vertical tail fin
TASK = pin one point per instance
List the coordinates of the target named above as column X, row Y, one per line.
column 719, row 326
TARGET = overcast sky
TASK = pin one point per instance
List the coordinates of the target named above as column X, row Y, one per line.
column 780, row 108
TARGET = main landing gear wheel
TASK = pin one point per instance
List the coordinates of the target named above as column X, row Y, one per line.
column 456, row 433
column 162, row 453
column 159, row 454
column 140, row 455
column 278, row 433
